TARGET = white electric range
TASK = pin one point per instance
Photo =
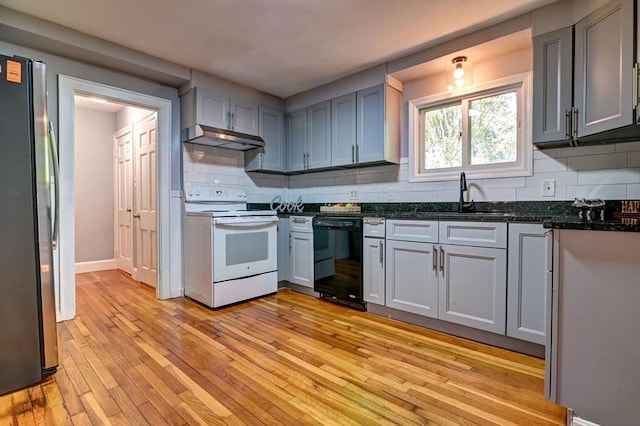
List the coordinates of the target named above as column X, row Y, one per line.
column 230, row 253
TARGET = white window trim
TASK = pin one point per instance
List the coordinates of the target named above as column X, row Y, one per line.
column 523, row 166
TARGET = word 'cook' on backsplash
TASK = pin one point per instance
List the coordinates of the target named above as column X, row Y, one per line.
column 287, row 206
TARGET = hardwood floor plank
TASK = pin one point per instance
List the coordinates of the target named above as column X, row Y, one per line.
column 288, row 358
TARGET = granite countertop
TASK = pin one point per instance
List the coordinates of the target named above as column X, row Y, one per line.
column 553, row 215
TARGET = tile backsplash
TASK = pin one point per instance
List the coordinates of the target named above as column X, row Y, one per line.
column 601, row 171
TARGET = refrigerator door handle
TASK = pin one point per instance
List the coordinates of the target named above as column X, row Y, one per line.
column 53, row 147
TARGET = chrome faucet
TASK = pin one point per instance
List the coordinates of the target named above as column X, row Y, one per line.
column 462, row 206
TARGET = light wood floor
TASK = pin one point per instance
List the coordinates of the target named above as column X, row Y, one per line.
column 286, row 359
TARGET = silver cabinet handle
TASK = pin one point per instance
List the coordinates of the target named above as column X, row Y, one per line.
column 53, row 147
column 373, row 221
column 357, row 153
column 290, row 242
column 353, row 154
column 233, row 120
column 442, row 261
column 381, row 252
column 575, row 123
column 435, row 259
column 635, row 87
column 299, row 220
column 567, row 124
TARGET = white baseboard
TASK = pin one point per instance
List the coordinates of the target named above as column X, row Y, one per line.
column 98, row 265
column 577, row 421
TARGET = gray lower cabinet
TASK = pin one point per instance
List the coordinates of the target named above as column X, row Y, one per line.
column 472, row 287
column 529, row 277
column 373, row 270
column 301, row 258
column 301, row 250
column 411, row 282
column 272, row 159
column 284, row 268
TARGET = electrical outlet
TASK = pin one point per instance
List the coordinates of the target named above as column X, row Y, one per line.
column 548, row 188
column 390, row 194
column 353, row 195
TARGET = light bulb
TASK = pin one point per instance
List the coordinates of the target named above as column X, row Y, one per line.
column 458, row 73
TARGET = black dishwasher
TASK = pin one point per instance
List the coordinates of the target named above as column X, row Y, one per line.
column 337, row 259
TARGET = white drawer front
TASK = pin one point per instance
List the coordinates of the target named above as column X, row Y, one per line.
column 301, row 223
column 479, row 234
column 413, row 230
column 373, row 227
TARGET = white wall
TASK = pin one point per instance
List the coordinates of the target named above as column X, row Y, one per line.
column 94, row 187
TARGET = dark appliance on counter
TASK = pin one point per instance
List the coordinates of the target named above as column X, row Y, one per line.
column 337, row 259
column 28, row 341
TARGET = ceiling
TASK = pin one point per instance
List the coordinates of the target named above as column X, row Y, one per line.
column 281, row 47
column 97, row 104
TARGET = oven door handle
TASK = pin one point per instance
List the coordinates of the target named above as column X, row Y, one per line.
column 245, row 221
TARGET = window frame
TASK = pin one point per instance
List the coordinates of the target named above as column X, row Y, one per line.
column 523, row 166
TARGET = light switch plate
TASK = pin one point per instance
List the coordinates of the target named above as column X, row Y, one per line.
column 548, row 188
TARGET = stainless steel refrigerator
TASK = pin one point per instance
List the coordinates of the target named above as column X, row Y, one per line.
column 28, row 341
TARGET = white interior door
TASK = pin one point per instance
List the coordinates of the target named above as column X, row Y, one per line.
column 123, row 144
column 145, row 219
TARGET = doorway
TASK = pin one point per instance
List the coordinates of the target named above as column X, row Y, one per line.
column 115, row 211
column 64, row 265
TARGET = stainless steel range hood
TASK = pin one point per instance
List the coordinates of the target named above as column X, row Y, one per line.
column 222, row 138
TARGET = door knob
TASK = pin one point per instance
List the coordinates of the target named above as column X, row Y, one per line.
column 128, row 210
column 136, row 216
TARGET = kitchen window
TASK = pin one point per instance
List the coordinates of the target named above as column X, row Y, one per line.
column 484, row 130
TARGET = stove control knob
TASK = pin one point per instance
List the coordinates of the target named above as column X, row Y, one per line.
column 189, row 193
column 197, row 193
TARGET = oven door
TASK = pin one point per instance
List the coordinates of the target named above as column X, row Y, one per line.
column 244, row 246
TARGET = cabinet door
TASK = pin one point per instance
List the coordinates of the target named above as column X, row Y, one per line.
column 213, row 108
column 473, row 287
column 319, row 135
column 272, row 131
column 552, row 78
column 370, row 129
column 411, row 277
column 604, row 65
column 343, row 130
column 529, row 265
column 283, row 250
column 244, row 116
column 373, row 270
column 296, row 140
column 301, row 258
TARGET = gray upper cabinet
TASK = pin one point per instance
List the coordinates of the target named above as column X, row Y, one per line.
column 604, row 68
column 319, row 135
column 378, row 125
column 271, row 125
column 343, row 130
column 355, row 129
column 243, row 116
column 297, row 140
column 594, row 60
column 552, row 56
column 217, row 109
